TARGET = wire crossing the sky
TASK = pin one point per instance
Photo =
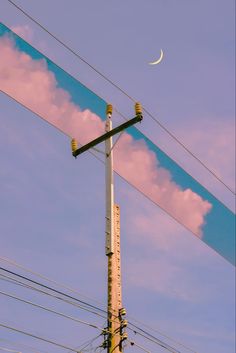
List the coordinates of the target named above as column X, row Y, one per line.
column 162, row 126
column 135, row 326
column 52, row 289
column 123, row 178
column 138, row 330
column 40, row 338
column 23, row 345
column 11, row 262
column 51, row 311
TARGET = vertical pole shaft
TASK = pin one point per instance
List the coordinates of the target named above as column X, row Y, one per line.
column 114, row 284
column 109, row 187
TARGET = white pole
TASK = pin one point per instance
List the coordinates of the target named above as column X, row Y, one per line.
column 109, row 186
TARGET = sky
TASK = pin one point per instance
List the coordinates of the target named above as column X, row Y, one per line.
column 171, row 280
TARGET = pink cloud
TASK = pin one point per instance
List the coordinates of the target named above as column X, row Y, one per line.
column 136, row 163
column 161, row 257
column 31, row 83
column 23, row 31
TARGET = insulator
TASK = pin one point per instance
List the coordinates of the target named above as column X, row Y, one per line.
column 124, row 336
column 124, row 323
column 74, row 145
column 138, row 108
column 104, row 345
column 109, row 109
column 122, row 312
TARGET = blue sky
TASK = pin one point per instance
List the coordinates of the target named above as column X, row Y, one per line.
column 188, row 262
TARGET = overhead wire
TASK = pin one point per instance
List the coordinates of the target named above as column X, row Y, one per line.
column 144, row 109
column 87, row 343
column 9, row 279
column 123, row 178
column 12, row 280
column 130, row 322
column 151, row 337
column 145, row 335
column 51, row 311
column 9, row 350
column 158, row 342
column 52, row 289
column 125, row 93
column 11, row 262
column 160, row 333
column 15, row 329
column 23, row 345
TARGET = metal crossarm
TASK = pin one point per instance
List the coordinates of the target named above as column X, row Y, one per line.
column 136, row 119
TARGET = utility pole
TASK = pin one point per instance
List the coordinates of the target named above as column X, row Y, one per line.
column 114, row 300
column 116, row 323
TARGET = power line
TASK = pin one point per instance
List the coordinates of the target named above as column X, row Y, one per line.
column 45, row 278
column 145, row 335
column 52, row 311
column 61, row 293
column 158, row 342
column 130, row 322
column 126, row 94
column 12, row 280
column 87, row 343
column 128, row 182
column 39, row 338
column 83, row 322
column 9, row 350
column 52, row 289
column 23, row 345
column 151, row 337
column 161, row 333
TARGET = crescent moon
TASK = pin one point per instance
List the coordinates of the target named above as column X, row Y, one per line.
column 158, row 60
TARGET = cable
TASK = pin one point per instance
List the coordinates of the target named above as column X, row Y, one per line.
column 162, row 334
column 126, row 94
column 46, row 278
column 9, row 350
column 52, row 289
column 39, row 338
column 128, row 182
column 92, row 325
column 11, row 272
column 87, row 343
column 51, row 311
column 23, row 345
column 101, row 160
column 10, row 279
column 56, row 291
column 130, row 323
column 156, row 341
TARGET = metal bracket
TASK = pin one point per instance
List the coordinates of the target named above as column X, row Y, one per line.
column 115, row 142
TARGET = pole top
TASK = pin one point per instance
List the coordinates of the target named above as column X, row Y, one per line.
column 109, row 109
column 138, row 108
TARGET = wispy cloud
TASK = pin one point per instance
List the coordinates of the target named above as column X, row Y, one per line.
column 24, row 31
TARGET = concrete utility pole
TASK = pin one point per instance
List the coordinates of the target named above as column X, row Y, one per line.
column 116, row 323
column 114, row 300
